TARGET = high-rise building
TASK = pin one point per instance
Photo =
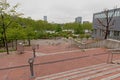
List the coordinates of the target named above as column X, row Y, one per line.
column 45, row 18
column 78, row 19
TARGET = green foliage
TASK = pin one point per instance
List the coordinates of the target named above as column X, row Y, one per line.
column 27, row 28
column 70, row 26
column 3, row 50
column 7, row 14
column 82, row 36
column 30, row 33
column 15, row 33
column 58, row 28
column 87, row 26
column 79, row 29
column 87, row 36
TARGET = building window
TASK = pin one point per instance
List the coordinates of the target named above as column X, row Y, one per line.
column 110, row 13
column 95, row 31
column 101, row 32
column 116, row 33
column 111, row 34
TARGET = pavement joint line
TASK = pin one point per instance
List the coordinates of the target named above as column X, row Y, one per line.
column 44, row 63
column 51, row 62
column 100, row 74
column 81, row 74
column 63, row 52
column 99, row 54
column 51, row 75
column 68, row 51
column 73, row 72
column 14, row 67
column 40, row 54
column 67, row 59
column 44, row 54
column 111, row 77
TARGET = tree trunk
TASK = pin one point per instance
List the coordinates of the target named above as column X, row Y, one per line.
column 3, row 45
column 4, row 34
column 12, row 44
column 29, row 43
column 5, row 40
column 106, row 33
column 16, row 43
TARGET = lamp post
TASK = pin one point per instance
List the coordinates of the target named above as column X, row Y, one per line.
column 33, row 48
column 31, row 61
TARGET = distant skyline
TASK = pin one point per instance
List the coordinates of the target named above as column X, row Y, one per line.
column 63, row 11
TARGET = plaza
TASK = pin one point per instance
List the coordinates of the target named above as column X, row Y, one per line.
column 56, row 60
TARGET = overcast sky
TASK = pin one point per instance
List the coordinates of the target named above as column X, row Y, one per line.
column 62, row 11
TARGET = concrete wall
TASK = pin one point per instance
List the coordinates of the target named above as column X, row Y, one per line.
column 109, row 43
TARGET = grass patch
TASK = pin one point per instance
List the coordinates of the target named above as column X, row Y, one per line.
column 3, row 50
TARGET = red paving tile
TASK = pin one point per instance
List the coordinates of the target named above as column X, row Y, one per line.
column 117, row 78
column 53, row 49
column 49, row 64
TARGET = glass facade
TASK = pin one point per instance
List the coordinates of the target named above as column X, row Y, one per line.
column 110, row 13
column 114, row 32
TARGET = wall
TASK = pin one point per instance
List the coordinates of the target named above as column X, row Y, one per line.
column 109, row 43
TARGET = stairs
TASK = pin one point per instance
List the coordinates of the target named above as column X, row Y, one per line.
column 101, row 71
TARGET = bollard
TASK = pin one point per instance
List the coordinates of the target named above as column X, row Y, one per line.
column 31, row 61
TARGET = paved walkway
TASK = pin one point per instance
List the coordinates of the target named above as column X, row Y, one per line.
column 56, row 59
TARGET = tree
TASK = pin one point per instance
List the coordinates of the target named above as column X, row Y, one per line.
column 79, row 29
column 58, row 28
column 30, row 34
column 108, row 22
column 7, row 13
column 16, row 33
column 87, row 26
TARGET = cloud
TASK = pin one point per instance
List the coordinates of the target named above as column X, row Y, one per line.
column 63, row 10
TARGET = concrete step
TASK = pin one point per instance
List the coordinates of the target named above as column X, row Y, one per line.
column 89, row 73
column 112, row 77
column 66, row 72
column 101, row 74
column 78, row 72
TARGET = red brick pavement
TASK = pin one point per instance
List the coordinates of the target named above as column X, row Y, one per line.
column 49, row 64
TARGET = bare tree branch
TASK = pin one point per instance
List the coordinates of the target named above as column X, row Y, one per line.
column 101, row 22
column 112, row 15
column 109, row 15
column 9, row 23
